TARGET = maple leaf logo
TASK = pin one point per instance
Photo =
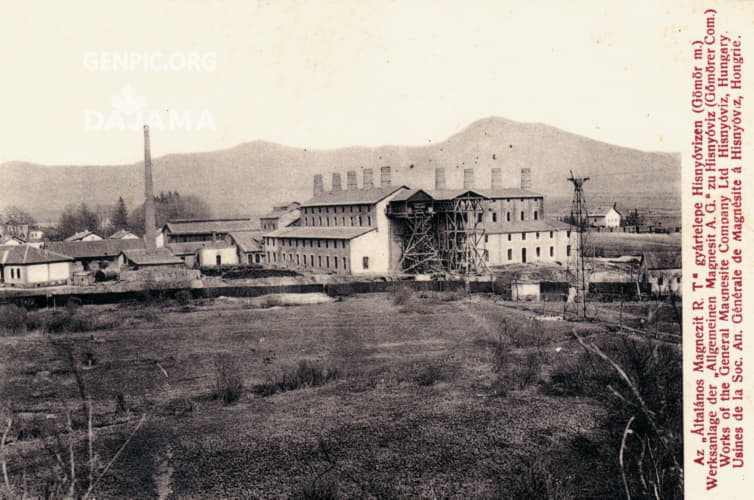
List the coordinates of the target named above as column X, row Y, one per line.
column 128, row 102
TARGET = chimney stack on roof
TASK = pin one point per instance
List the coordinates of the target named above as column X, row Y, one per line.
column 319, row 186
column 497, row 178
column 468, row 178
column 351, row 183
column 526, row 179
column 336, row 184
column 440, row 178
column 368, row 178
column 385, row 180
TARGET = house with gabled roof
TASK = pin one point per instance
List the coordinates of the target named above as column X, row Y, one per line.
column 608, row 217
column 27, row 266
column 84, row 236
column 283, row 215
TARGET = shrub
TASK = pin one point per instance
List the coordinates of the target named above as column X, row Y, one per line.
column 402, row 295
column 228, row 383
column 304, row 374
column 317, row 488
column 429, row 375
column 183, row 297
column 13, row 319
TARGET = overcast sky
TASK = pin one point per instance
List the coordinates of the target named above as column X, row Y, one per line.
column 331, row 74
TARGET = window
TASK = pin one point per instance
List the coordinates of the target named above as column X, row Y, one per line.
column 327, row 243
column 552, row 251
column 319, row 243
column 494, row 216
column 218, row 260
column 536, row 215
column 369, row 220
column 537, row 251
column 510, row 254
column 568, row 250
column 298, row 260
column 507, row 216
column 342, row 221
column 327, row 261
column 659, row 280
column 479, row 217
column 510, row 236
column 312, row 260
column 523, row 236
column 486, row 238
column 568, row 234
column 365, row 263
column 523, row 255
column 537, row 235
column 551, row 234
column 360, row 220
column 345, row 263
column 522, row 215
column 335, row 262
column 319, row 260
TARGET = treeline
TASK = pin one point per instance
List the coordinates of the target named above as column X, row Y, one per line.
column 168, row 206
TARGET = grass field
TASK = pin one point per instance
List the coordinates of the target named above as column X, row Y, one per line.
column 635, row 243
column 425, row 397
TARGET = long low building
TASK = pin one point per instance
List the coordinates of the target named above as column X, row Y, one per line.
column 27, row 266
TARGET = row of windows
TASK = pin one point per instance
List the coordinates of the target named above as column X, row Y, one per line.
column 323, row 261
column 336, row 209
column 493, row 216
column 538, row 251
column 15, row 273
column 337, row 221
column 523, row 236
column 305, row 242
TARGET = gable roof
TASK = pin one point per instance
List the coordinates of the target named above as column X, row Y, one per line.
column 93, row 249
column 352, row 196
column 24, row 255
column 208, row 226
column 81, row 235
column 143, row 257
column 321, row 233
column 120, row 234
column 662, row 260
column 9, row 239
column 279, row 210
column 248, row 241
column 601, row 211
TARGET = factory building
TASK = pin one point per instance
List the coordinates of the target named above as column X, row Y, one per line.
column 343, row 231
column 391, row 229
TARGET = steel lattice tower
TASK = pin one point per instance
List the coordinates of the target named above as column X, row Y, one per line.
column 580, row 219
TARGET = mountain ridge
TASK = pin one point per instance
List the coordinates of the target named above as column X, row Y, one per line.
column 245, row 179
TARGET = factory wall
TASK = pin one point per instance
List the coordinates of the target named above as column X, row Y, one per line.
column 530, row 246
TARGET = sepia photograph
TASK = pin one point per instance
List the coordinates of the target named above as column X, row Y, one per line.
column 381, row 249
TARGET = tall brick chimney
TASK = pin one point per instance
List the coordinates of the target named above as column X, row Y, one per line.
column 468, row 178
column 319, row 186
column 336, row 184
column 526, row 179
column 368, row 178
column 149, row 217
column 385, row 177
column 440, row 178
column 351, row 183
column 497, row 178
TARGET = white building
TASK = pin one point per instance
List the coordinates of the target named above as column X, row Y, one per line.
column 604, row 217
column 27, row 266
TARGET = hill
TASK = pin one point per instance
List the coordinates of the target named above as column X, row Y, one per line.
column 248, row 178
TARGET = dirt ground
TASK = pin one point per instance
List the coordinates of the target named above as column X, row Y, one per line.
column 415, row 411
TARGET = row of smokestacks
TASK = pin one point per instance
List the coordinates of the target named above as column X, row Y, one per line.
column 496, row 181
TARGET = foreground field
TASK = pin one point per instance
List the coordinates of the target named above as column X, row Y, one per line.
column 418, row 397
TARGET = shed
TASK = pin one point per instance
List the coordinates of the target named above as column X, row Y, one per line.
column 25, row 265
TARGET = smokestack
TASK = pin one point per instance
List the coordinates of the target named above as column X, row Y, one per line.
column 526, row 179
column 319, row 186
column 149, row 218
column 440, row 178
column 385, row 180
column 468, row 178
column 368, row 178
column 497, row 178
column 351, row 183
column 336, row 185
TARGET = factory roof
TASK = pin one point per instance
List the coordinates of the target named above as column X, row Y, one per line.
column 208, row 226
column 526, row 226
column 81, row 235
column 156, row 257
column 190, row 247
column 352, row 196
column 662, row 260
column 24, row 254
column 93, row 249
column 248, row 241
column 279, row 210
column 122, row 234
column 321, row 233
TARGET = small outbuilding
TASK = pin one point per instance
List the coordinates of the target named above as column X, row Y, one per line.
column 139, row 258
column 27, row 266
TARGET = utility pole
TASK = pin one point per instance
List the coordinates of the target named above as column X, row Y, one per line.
column 579, row 218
